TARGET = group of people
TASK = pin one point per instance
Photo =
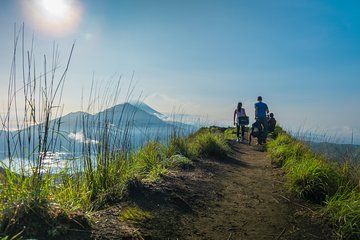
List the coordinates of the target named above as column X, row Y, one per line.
column 264, row 122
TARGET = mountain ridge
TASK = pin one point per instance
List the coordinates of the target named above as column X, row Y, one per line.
column 79, row 127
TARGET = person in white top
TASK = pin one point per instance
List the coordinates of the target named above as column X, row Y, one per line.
column 239, row 113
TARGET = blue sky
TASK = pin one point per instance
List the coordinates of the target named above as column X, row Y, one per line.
column 202, row 57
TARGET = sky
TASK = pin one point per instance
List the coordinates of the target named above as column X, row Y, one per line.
column 202, row 57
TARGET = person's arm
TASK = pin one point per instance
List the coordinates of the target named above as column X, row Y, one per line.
column 244, row 112
column 234, row 116
column 256, row 111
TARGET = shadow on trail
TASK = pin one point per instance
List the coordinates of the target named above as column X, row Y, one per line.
column 230, row 160
column 233, row 157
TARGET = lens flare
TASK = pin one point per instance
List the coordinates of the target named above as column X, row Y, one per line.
column 53, row 17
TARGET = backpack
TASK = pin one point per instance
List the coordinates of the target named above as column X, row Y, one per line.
column 243, row 120
column 256, row 129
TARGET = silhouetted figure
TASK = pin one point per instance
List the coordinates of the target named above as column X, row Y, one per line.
column 240, row 120
column 271, row 123
column 256, row 132
column 261, row 110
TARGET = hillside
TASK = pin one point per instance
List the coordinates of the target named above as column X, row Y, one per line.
column 238, row 197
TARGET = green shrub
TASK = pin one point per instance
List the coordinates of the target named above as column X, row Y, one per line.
column 312, row 179
column 285, row 147
column 178, row 145
column 180, row 162
column 150, row 161
column 208, row 144
column 230, row 133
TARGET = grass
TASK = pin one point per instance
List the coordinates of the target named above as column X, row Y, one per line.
column 135, row 215
column 70, row 192
column 344, row 210
column 208, row 142
column 313, row 177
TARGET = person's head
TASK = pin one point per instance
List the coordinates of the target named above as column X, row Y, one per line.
column 259, row 98
column 239, row 106
column 271, row 115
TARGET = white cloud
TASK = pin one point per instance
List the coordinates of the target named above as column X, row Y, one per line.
column 79, row 136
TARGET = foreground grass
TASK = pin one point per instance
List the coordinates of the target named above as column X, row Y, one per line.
column 70, row 193
column 315, row 178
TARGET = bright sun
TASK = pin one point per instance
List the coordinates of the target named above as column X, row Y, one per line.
column 54, row 17
column 55, row 8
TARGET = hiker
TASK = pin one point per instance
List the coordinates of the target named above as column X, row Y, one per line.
column 271, row 123
column 240, row 120
column 256, row 132
column 261, row 110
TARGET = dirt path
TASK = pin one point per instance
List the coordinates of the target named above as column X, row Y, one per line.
column 253, row 203
column 238, row 197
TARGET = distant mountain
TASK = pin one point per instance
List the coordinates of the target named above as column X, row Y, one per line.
column 129, row 113
column 148, row 109
column 131, row 123
column 338, row 152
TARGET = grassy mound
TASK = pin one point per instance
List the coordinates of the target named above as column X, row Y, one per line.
column 315, row 178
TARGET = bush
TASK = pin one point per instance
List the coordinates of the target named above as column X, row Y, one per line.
column 149, row 161
column 207, row 144
column 180, row 162
column 285, row 147
column 178, row 145
column 312, row 179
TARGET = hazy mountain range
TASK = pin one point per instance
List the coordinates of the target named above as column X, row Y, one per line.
column 338, row 152
column 128, row 124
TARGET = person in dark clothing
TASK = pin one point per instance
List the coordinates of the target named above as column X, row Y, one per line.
column 256, row 132
column 271, row 123
column 261, row 110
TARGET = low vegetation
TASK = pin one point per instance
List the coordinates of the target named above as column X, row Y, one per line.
column 313, row 177
column 71, row 193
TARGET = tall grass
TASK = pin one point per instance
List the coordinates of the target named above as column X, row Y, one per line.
column 313, row 177
column 344, row 210
column 208, row 142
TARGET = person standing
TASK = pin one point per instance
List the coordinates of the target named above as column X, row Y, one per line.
column 261, row 110
column 240, row 121
column 271, row 123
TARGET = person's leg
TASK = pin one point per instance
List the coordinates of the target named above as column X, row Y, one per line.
column 264, row 125
column 237, row 131
column 242, row 132
column 265, row 130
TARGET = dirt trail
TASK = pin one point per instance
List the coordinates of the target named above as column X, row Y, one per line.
column 239, row 197
column 253, row 203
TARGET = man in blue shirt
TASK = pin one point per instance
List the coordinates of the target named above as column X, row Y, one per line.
column 261, row 110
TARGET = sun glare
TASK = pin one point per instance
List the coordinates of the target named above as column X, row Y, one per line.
column 55, row 8
column 53, row 17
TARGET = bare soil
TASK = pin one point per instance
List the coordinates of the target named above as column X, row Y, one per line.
column 241, row 196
